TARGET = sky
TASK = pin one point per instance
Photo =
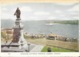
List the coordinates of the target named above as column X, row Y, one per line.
column 42, row 11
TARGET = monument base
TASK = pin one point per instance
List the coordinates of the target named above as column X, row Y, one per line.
column 10, row 45
column 13, row 47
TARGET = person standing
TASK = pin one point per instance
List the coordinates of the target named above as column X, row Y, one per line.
column 49, row 49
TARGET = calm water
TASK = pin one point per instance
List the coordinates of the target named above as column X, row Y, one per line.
column 37, row 27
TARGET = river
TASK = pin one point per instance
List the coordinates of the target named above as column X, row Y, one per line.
column 42, row 27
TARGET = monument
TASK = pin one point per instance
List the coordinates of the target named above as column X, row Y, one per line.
column 18, row 31
column 18, row 40
column 17, row 28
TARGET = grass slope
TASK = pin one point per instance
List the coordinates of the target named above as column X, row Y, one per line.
column 55, row 49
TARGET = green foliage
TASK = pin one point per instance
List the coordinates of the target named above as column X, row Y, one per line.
column 76, row 22
column 55, row 49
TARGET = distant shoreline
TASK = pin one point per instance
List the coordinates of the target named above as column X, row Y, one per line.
column 67, row 22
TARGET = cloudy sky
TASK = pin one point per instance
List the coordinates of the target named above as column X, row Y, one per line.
column 42, row 11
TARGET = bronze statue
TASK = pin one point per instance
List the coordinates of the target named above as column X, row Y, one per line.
column 17, row 13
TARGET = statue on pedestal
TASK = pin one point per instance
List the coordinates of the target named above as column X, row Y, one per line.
column 18, row 40
column 17, row 28
column 18, row 36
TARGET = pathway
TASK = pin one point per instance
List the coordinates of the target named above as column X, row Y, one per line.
column 37, row 48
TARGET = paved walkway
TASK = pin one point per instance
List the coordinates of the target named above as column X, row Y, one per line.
column 37, row 48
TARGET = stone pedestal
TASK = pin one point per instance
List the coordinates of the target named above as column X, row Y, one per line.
column 18, row 35
column 16, row 31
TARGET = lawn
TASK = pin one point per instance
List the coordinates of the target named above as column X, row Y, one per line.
column 55, row 49
column 55, row 43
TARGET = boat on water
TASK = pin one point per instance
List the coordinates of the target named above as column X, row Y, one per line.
column 49, row 24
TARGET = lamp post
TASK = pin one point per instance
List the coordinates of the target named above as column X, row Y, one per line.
column 28, row 47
